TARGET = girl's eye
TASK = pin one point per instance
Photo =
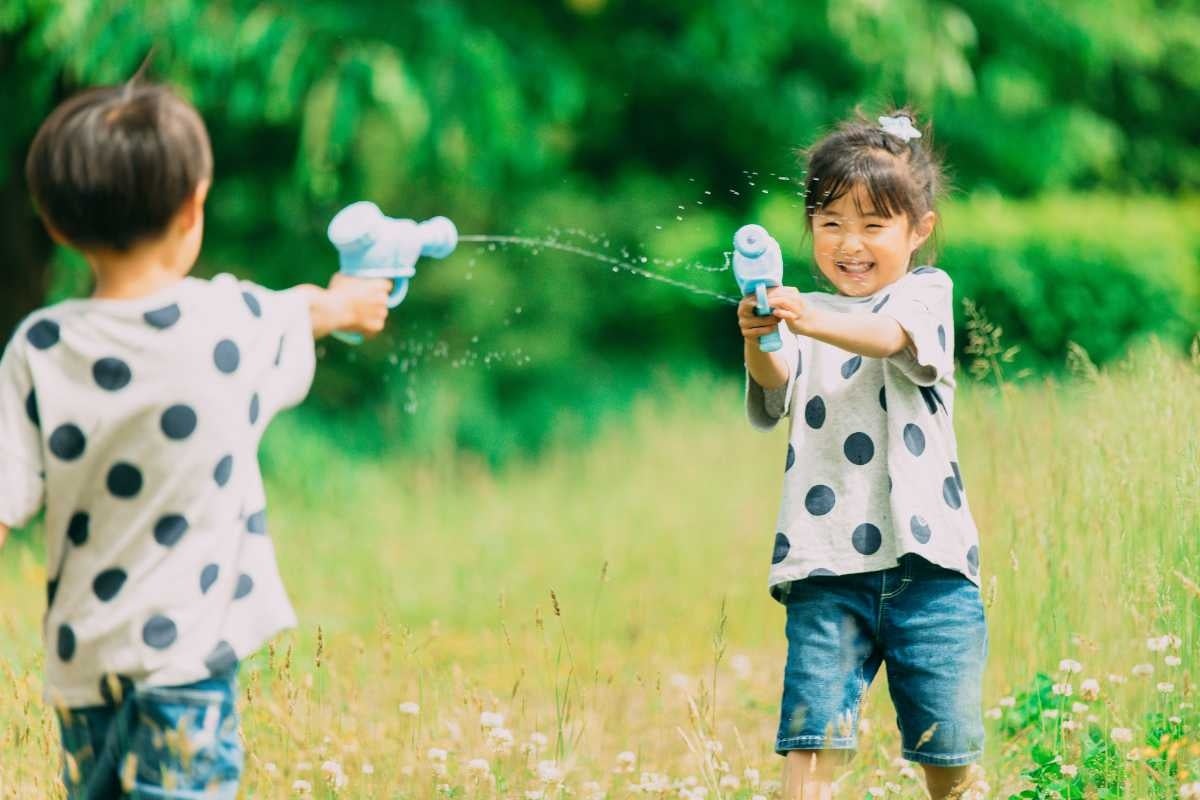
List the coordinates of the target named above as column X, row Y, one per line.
column 830, row 225
column 874, row 225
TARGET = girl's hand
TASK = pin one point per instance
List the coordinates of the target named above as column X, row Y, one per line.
column 752, row 325
column 363, row 302
column 790, row 306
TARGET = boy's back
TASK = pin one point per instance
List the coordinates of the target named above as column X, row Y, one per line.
column 139, row 420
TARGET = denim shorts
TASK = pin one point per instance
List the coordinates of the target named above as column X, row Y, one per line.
column 178, row 742
column 924, row 622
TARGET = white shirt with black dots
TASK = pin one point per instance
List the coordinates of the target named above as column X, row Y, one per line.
column 871, row 471
column 138, row 422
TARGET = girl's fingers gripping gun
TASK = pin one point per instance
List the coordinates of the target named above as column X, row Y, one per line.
column 757, row 266
column 371, row 245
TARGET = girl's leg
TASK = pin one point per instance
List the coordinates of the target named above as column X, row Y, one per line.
column 809, row 774
column 946, row 782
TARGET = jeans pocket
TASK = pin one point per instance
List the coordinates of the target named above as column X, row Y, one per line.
column 186, row 739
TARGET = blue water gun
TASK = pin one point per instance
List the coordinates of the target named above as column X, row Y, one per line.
column 758, row 266
column 371, row 245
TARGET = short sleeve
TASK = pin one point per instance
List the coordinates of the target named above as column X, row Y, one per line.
column 765, row 407
column 290, row 347
column 22, row 481
column 922, row 303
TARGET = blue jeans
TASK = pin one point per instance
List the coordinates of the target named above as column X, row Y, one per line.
column 178, row 742
column 925, row 622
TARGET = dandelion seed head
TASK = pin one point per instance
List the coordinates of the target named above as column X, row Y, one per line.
column 1070, row 666
column 1090, row 689
column 409, row 708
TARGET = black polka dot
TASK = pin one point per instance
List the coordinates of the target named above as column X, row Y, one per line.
column 881, row 304
column 859, row 448
column 112, row 374
column 178, row 422
column 791, row 457
column 43, row 334
column 950, row 493
column 799, row 362
column 851, row 366
column 245, row 584
column 973, row 559
column 227, row 356
column 68, row 442
column 957, row 474
column 279, row 352
column 159, row 632
column 252, row 304
column 223, row 471
column 254, row 408
column 78, row 528
column 170, row 529
column 108, row 583
column 257, row 522
column 927, row 396
column 115, row 688
column 914, row 439
column 920, row 529
column 866, row 538
column 66, row 643
column 819, row 500
column 883, row 397
column 814, row 412
column 51, row 591
column 942, row 336
column 923, row 270
column 782, row 547
column 208, row 576
column 124, row 480
column 821, row 572
column 31, row 408
column 222, row 659
column 162, row 318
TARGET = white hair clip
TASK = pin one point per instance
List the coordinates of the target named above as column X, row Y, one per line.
column 899, row 126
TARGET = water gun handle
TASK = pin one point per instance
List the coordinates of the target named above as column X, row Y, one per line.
column 768, row 342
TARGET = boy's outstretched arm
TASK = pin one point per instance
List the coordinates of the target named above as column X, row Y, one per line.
column 354, row 305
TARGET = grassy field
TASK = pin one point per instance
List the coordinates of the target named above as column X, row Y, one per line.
column 595, row 623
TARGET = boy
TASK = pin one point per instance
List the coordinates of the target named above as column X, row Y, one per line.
column 134, row 417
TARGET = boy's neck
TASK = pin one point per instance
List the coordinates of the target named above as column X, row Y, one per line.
column 139, row 272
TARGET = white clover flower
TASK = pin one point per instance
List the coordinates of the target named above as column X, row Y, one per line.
column 1142, row 670
column 1070, row 770
column 876, row 791
column 1172, row 661
column 730, row 782
column 491, row 719
column 368, row 768
column 549, row 772
column 1188, row 791
column 1050, row 713
column 436, row 754
column 892, row 788
column 751, row 776
column 303, row 766
column 1006, row 702
column 1089, row 690
column 500, row 740
column 270, row 768
column 334, row 775
column 539, row 740
column 1175, row 720
column 1121, row 735
column 740, row 664
column 1070, row 665
column 1113, row 678
column 993, row 713
column 1069, row 726
column 1092, row 719
column 626, row 761
column 301, row 787
column 908, row 772
column 1079, row 708
column 409, row 708
column 592, row 790
column 1165, row 687
column 1156, row 644
column 1064, row 689
column 864, row 726
column 535, row 794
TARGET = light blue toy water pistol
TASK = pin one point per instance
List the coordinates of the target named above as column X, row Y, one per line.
column 758, row 266
column 371, row 245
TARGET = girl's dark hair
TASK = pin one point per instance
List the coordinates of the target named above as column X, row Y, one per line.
column 899, row 177
column 112, row 165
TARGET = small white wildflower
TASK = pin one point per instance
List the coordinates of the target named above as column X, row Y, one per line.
column 368, row 768
column 1064, row 689
column 908, row 772
column 270, row 768
column 409, row 708
column 993, row 713
column 751, row 776
column 1121, row 735
column 408, row 770
column 758, row 797
column 1188, row 791
column 1172, row 661
column 534, row 794
column 1006, row 702
column 1118, row 679
column 1079, row 708
column 444, row 788
column 730, row 782
column 741, row 666
column 301, row 787
column 491, row 719
column 592, row 790
column 876, row 791
column 303, row 766
column 1070, row 770
column 549, row 772
column 454, row 729
column 1050, row 713
column 436, row 754
column 1156, row 644
column 1070, row 665
column 1089, row 690
column 1069, row 726
column 892, row 788
column 1175, row 720
column 864, row 726
column 1133, row 755
column 1142, row 670
column 500, row 740
column 1166, row 687
column 772, row 787
column 680, row 681
column 626, row 761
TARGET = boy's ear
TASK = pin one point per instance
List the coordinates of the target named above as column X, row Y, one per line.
column 193, row 207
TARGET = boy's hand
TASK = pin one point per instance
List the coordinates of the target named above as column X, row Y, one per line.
column 362, row 303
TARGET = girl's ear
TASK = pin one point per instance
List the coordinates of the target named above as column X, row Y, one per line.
column 922, row 230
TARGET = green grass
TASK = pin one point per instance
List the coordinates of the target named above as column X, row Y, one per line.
column 431, row 581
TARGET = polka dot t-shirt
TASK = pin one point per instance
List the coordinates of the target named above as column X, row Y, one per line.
column 138, row 423
column 871, row 471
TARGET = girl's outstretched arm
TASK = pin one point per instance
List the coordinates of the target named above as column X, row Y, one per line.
column 871, row 335
column 3, row 534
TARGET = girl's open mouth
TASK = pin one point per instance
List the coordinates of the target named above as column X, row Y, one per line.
column 855, row 267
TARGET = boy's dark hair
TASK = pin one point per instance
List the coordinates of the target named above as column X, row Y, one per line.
column 899, row 177
column 112, row 165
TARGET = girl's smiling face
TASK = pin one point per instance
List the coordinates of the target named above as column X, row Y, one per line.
column 859, row 249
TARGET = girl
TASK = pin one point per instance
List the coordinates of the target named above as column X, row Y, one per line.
column 876, row 556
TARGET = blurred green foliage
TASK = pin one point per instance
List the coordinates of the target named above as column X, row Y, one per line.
column 655, row 129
